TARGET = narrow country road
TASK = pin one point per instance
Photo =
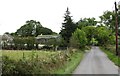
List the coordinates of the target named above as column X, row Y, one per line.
column 96, row 62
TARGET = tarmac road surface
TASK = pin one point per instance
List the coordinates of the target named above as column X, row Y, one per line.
column 96, row 62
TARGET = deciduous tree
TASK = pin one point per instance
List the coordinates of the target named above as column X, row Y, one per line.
column 78, row 39
column 33, row 28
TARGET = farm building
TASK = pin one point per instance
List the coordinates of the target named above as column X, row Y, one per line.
column 9, row 42
column 42, row 39
column 49, row 40
column 6, row 40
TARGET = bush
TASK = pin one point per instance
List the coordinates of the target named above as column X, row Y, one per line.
column 21, row 67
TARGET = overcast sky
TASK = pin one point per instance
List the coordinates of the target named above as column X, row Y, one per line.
column 14, row 13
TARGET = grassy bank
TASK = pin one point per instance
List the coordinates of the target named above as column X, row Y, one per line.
column 71, row 65
column 111, row 55
column 40, row 62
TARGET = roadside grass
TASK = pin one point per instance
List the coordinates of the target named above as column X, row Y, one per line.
column 112, row 56
column 45, row 62
column 71, row 65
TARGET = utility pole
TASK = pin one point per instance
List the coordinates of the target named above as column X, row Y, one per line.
column 116, row 28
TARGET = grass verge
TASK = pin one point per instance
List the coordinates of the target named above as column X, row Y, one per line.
column 112, row 56
column 71, row 65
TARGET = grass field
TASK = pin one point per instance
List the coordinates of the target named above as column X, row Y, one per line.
column 17, row 54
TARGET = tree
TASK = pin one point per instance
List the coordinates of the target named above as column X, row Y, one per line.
column 32, row 28
column 86, row 22
column 78, row 39
column 54, row 43
column 44, row 31
column 6, row 33
column 68, row 27
column 24, row 43
column 29, row 28
column 108, row 19
column 100, row 35
column 104, row 35
column 90, row 33
column 13, row 34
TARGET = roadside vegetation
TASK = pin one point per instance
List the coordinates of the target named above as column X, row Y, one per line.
column 40, row 62
column 110, row 51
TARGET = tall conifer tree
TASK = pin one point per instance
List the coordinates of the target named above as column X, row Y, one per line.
column 68, row 27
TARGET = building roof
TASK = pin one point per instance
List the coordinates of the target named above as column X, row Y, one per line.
column 6, row 37
column 47, row 36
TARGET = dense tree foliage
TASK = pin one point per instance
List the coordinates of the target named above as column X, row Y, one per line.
column 90, row 32
column 104, row 35
column 100, row 35
column 78, row 39
column 29, row 28
column 108, row 19
column 24, row 43
column 32, row 28
column 86, row 22
column 68, row 27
